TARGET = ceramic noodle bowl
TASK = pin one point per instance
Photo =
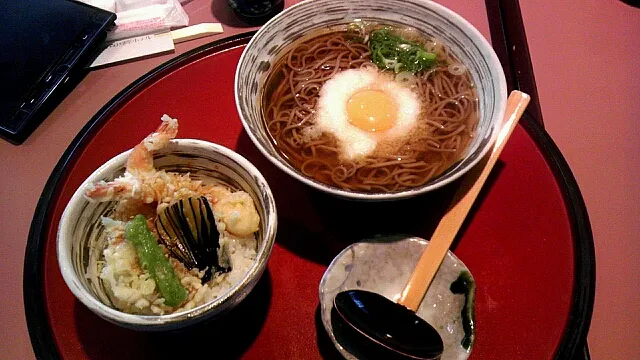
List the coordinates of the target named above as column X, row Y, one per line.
column 428, row 18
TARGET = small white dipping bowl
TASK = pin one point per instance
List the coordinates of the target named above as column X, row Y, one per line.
column 427, row 17
column 80, row 238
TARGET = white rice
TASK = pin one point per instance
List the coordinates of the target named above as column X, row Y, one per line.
column 132, row 290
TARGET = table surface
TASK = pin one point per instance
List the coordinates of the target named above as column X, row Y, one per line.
column 583, row 52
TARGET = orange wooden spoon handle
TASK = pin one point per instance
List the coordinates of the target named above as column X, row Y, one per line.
column 451, row 222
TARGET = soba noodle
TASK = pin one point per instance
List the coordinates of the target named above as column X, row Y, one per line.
column 447, row 120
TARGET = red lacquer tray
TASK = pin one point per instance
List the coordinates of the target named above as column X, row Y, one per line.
column 527, row 240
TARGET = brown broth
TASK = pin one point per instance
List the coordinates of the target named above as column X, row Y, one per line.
column 411, row 162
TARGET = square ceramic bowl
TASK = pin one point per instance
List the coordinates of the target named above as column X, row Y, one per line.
column 426, row 17
column 80, row 234
column 383, row 265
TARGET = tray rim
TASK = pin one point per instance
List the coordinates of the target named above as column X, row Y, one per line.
column 37, row 316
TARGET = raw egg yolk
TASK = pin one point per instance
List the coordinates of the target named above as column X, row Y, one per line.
column 372, row 110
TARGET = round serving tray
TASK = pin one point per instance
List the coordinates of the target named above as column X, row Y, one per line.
column 527, row 240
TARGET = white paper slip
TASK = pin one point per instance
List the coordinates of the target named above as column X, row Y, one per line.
column 196, row 32
column 135, row 47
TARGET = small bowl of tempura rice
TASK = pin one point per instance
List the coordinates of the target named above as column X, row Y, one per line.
column 168, row 233
column 371, row 100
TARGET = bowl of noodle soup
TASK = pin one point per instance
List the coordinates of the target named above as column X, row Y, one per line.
column 371, row 100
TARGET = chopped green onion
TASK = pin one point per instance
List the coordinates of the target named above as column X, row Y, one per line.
column 356, row 31
column 392, row 52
